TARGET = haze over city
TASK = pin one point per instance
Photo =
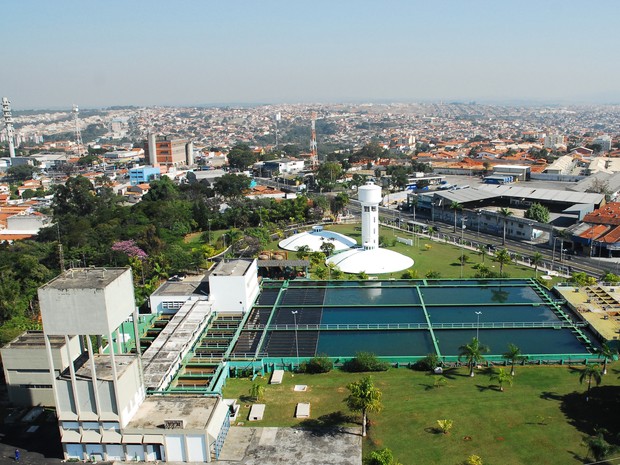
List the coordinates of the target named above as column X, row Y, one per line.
column 192, row 53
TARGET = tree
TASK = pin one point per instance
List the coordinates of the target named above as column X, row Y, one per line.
column 607, row 353
column 472, row 353
column 327, row 175
column 338, row 203
column 537, row 259
column 21, row 172
column 505, row 213
column 455, row 206
column 482, row 250
column 241, row 157
column 257, row 391
column 364, row 398
column 513, row 355
column 537, row 212
column 502, row 377
column 327, row 248
column 162, row 190
column 590, row 372
column 231, row 185
column 503, row 258
column 598, row 446
column 303, row 251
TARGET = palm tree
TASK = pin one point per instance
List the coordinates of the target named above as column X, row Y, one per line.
column 513, row 355
column 591, row 372
column 472, row 353
column 502, row 377
column 607, row 353
column 456, row 207
column 257, row 391
column 505, row 213
column 503, row 258
column 364, row 397
column 482, row 250
column 537, row 259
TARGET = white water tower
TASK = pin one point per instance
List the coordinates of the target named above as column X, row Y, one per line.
column 369, row 196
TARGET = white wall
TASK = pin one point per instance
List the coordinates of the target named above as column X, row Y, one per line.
column 85, row 311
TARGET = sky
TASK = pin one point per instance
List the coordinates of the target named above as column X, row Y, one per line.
column 182, row 52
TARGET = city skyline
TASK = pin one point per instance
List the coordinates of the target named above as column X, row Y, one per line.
column 202, row 53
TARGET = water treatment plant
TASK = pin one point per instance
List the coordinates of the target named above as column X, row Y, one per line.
column 111, row 371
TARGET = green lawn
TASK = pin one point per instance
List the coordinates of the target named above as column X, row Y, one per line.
column 540, row 420
column 441, row 257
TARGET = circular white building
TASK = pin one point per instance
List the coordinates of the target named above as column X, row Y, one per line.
column 316, row 238
column 370, row 258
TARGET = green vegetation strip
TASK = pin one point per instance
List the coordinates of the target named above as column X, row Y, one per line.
column 541, row 419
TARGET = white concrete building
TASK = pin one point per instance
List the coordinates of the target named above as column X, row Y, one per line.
column 99, row 389
column 234, row 285
column 26, row 368
column 370, row 258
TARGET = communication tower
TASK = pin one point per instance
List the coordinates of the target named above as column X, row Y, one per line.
column 313, row 147
column 8, row 121
column 78, row 133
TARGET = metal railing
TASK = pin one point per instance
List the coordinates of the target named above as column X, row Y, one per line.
column 403, row 326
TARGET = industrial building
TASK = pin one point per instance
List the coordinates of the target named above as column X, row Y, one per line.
column 168, row 151
column 109, row 396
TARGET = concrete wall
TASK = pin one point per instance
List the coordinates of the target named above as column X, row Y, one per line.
column 235, row 293
column 87, row 311
column 28, row 366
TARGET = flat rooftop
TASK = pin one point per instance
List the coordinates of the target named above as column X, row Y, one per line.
column 231, row 268
column 103, row 366
column 194, row 410
column 187, row 286
column 85, row 278
column 35, row 340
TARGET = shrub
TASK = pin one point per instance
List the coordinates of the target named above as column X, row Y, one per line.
column 365, row 361
column 428, row 363
column 473, row 460
column 445, row 425
column 381, row 457
column 318, row 364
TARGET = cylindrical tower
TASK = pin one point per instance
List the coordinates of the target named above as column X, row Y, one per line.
column 152, row 147
column 8, row 121
column 369, row 196
column 189, row 153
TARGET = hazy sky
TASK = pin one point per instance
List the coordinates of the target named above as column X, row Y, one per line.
column 174, row 52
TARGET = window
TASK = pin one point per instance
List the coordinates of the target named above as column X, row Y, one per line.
column 374, row 208
column 366, row 209
column 171, row 305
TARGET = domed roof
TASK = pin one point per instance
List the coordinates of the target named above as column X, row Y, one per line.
column 315, row 238
column 372, row 261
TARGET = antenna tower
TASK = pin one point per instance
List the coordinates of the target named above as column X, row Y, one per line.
column 313, row 147
column 8, row 122
column 78, row 133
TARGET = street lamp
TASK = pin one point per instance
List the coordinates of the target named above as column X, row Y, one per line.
column 294, row 313
column 462, row 243
column 209, row 224
column 478, row 325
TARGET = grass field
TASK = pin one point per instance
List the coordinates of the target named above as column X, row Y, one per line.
column 540, row 420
